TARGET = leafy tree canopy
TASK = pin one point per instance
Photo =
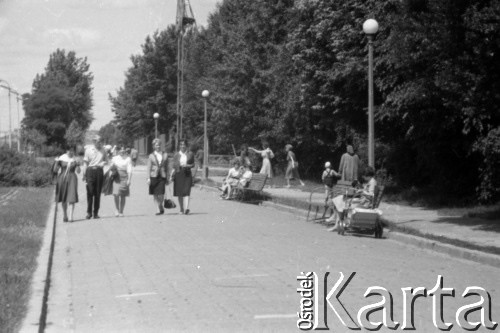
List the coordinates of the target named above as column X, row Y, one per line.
column 62, row 95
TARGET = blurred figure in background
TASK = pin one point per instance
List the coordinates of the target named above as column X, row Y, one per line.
column 349, row 165
column 292, row 170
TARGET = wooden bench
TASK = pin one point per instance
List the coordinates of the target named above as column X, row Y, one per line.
column 377, row 198
column 256, row 185
column 340, row 188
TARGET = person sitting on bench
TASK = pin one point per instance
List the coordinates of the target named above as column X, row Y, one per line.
column 232, row 179
column 244, row 181
column 246, row 176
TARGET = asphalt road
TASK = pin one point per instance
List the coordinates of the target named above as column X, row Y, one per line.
column 230, row 267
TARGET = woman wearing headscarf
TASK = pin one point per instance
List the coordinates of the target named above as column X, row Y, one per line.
column 157, row 173
column 182, row 176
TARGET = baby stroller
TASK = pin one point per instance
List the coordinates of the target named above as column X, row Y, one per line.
column 361, row 219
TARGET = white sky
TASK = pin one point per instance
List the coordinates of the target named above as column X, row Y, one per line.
column 107, row 32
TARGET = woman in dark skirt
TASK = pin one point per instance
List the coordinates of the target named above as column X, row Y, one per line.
column 157, row 171
column 67, row 182
column 182, row 177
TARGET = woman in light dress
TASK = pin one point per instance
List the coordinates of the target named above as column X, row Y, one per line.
column 121, row 186
column 267, row 154
column 67, row 182
column 292, row 170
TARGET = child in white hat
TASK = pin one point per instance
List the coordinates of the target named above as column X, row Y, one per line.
column 329, row 178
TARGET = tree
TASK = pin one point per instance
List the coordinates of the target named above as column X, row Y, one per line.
column 75, row 135
column 33, row 139
column 149, row 88
column 60, row 96
column 247, row 72
column 438, row 68
column 296, row 72
column 111, row 134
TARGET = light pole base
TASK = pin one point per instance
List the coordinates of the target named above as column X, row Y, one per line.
column 205, row 172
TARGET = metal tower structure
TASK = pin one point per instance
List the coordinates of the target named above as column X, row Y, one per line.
column 184, row 20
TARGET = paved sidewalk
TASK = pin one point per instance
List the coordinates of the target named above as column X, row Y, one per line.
column 227, row 267
column 473, row 233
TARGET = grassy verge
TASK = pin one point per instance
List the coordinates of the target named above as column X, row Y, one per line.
column 23, row 217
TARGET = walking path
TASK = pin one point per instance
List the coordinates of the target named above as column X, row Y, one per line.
column 227, row 267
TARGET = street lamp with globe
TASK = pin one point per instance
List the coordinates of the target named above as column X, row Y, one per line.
column 370, row 28
column 205, row 95
column 156, row 116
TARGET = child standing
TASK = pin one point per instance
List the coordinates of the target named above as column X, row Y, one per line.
column 329, row 178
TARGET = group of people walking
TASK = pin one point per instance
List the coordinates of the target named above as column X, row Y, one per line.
column 95, row 161
column 111, row 173
column 115, row 173
column 160, row 176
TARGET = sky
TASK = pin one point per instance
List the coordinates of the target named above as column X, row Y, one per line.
column 107, row 32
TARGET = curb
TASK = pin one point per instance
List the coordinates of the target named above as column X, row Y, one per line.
column 34, row 321
column 455, row 251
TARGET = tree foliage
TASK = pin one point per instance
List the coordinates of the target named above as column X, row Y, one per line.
column 296, row 72
column 149, row 88
column 60, row 96
column 111, row 134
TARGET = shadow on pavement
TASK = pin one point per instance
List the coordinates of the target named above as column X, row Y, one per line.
column 476, row 223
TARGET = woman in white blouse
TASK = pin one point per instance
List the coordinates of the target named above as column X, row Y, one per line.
column 157, row 175
column 121, row 188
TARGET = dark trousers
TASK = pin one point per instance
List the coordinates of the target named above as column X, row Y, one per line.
column 94, row 177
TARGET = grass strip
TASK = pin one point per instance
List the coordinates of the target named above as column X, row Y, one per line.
column 22, row 224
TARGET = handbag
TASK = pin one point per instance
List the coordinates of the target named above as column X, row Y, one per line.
column 168, row 204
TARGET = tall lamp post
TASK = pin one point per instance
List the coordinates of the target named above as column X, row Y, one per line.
column 156, row 116
column 205, row 95
column 10, row 114
column 18, row 124
column 370, row 27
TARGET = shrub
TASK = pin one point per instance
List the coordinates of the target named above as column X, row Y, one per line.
column 51, row 151
column 20, row 170
column 489, row 147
